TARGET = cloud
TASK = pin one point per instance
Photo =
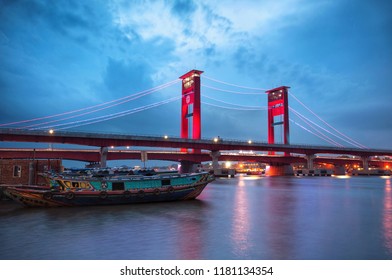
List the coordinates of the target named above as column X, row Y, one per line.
column 121, row 76
column 67, row 18
column 214, row 35
column 183, row 8
column 193, row 28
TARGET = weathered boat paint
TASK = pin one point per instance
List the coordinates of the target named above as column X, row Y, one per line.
column 80, row 191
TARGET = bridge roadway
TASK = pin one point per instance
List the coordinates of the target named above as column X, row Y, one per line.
column 93, row 155
column 123, row 140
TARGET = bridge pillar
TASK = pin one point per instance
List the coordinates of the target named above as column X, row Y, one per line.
column 144, row 157
column 365, row 163
column 339, row 170
column 278, row 105
column 215, row 160
column 103, row 152
column 280, row 169
column 190, row 105
column 310, row 159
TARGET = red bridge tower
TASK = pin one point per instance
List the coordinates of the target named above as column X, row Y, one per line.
column 191, row 105
column 278, row 105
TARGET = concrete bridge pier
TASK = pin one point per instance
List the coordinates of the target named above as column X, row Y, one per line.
column 280, row 169
column 215, row 160
column 339, row 170
column 103, row 153
column 365, row 163
column 309, row 159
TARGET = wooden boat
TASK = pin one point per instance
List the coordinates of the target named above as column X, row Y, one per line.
column 84, row 191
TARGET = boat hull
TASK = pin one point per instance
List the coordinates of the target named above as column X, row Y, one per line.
column 47, row 197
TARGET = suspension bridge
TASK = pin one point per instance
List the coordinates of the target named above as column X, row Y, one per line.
column 190, row 148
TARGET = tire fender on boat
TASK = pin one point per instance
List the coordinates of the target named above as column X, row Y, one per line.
column 170, row 190
column 70, row 195
column 47, row 195
column 127, row 194
column 157, row 192
column 140, row 193
column 103, row 195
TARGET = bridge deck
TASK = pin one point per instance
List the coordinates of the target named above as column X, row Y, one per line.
column 122, row 140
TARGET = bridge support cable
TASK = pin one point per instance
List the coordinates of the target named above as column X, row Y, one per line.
column 237, row 106
column 234, row 85
column 92, row 109
column 232, row 91
column 313, row 125
column 311, row 132
column 74, row 124
column 326, row 130
column 359, row 145
column 128, row 99
column 232, row 108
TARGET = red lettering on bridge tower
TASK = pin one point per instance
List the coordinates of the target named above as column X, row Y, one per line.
column 278, row 105
column 191, row 105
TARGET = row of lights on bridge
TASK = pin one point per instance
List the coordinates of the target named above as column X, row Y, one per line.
column 216, row 139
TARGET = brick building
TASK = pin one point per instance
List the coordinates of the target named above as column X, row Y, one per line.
column 26, row 171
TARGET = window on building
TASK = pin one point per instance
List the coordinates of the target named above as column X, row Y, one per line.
column 17, row 171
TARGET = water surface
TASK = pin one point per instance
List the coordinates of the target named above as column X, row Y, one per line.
column 241, row 218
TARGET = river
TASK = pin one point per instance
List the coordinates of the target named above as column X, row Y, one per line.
column 276, row 218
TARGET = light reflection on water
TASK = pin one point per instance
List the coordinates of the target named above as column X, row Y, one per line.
column 241, row 218
column 240, row 221
column 387, row 216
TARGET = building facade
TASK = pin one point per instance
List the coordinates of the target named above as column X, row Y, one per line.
column 26, row 171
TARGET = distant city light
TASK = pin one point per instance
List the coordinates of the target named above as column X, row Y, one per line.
column 267, row 167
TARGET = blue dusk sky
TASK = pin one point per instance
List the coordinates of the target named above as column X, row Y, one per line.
column 66, row 56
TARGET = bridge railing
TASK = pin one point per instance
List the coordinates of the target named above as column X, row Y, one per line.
column 205, row 140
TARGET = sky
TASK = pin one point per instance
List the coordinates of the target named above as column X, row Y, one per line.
column 73, row 59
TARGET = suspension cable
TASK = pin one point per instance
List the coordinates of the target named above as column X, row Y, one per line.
column 308, row 122
column 232, row 108
column 133, row 97
column 232, row 91
column 253, row 107
column 337, row 136
column 311, row 132
column 306, row 107
column 233, row 85
column 109, row 116
column 144, row 92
